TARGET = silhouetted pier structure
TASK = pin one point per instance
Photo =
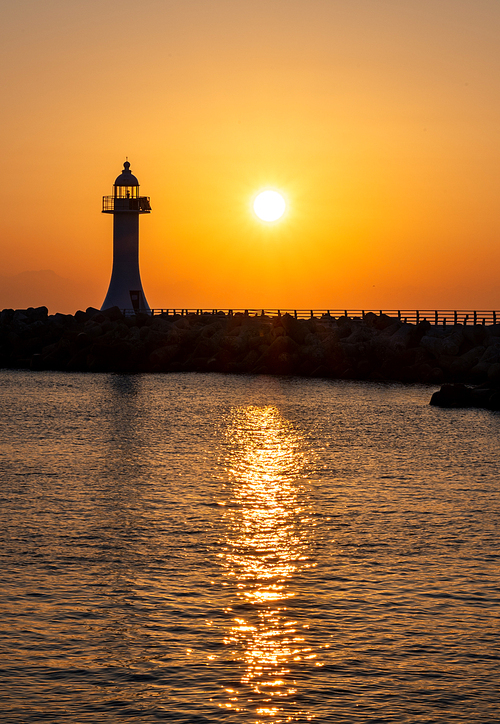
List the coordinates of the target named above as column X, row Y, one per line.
column 410, row 316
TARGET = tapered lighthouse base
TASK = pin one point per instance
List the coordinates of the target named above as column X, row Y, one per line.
column 130, row 301
column 125, row 288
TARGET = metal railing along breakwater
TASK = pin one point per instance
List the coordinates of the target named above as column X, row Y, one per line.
column 411, row 316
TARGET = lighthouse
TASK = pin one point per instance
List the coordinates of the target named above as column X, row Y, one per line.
column 126, row 205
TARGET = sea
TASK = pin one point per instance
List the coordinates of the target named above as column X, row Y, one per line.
column 214, row 548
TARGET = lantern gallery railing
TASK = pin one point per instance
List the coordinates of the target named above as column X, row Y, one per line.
column 112, row 204
column 442, row 316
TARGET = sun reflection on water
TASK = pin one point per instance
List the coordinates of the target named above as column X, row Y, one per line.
column 265, row 549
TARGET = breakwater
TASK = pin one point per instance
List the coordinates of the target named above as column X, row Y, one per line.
column 368, row 347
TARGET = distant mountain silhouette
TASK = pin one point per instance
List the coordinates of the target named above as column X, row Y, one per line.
column 46, row 288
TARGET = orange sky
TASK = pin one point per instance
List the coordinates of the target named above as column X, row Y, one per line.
column 378, row 119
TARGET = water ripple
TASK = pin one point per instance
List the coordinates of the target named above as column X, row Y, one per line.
column 203, row 548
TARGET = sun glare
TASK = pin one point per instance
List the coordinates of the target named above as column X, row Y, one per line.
column 269, row 205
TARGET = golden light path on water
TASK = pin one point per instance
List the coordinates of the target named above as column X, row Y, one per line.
column 266, row 548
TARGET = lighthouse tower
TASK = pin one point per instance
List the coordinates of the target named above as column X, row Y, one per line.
column 125, row 288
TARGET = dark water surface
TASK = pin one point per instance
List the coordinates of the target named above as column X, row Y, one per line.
column 205, row 548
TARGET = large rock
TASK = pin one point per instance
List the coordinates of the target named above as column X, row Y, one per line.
column 456, row 395
column 459, row 395
column 494, row 373
column 449, row 345
column 461, row 366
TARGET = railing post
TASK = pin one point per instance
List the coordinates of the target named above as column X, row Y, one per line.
column 475, row 317
column 455, row 318
column 494, row 317
column 295, row 313
column 417, row 316
column 436, row 318
column 399, row 315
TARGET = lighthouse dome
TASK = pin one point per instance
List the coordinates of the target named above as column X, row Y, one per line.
column 126, row 178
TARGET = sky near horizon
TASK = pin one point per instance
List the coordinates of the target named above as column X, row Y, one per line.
column 376, row 119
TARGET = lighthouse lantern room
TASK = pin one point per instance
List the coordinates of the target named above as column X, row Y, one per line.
column 125, row 288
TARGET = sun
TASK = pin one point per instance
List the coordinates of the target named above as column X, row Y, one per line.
column 269, row 205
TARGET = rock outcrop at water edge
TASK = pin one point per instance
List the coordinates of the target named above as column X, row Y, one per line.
column 485, row 396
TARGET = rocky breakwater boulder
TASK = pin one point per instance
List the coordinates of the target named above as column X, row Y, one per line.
column 379, row 347
column 464, row 353
column 33, row 339
column 22, row 333
column 375, row 347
